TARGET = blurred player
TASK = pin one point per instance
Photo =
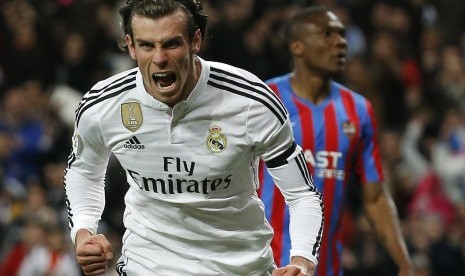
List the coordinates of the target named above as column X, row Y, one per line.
column 336, row 129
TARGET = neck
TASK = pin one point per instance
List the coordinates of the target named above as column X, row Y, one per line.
column 193, row 78
column 310, row 86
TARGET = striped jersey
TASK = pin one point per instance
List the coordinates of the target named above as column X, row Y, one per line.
column 192, row 206
column 338, row 137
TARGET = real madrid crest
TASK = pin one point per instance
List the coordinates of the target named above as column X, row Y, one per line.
column 131, row 115
column 216, row 142
column 349, row 129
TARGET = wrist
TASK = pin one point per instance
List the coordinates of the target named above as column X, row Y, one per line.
column 303, row 262
column 81, row 234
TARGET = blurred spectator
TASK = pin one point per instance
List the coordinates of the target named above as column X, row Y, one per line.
column 396, row 170
column 27, row 138
column 419, row 145
column 449, row 154
column 25, row 55
column 429, row 238
column 355, row 37
column 55, row 194
column 393, row 74
column 236, row 16
column 73, row 67
column 53, row 258
column 429, row 199
column 452, row 77
column 450, row 18
column 31, row 235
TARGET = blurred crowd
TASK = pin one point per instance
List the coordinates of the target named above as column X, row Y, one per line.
column 406, row 56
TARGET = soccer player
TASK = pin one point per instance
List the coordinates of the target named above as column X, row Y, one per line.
column 336, row 129
column 189, row 134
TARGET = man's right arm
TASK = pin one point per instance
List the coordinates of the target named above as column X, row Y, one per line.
column 382, row 214
column 85, row 195
column 85, row 175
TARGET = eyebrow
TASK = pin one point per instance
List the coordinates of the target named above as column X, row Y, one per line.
column 170, row 40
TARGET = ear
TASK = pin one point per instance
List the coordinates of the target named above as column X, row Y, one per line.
column 196, row 42
column 296, row 47
column 132, row 51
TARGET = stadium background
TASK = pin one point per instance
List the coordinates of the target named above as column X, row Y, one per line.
column 406, row 56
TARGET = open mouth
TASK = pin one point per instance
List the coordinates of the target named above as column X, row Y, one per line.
column 164, row 81
column 341, row 57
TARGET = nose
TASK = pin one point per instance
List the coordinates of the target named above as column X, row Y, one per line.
column 341, row 40
column 159, row 57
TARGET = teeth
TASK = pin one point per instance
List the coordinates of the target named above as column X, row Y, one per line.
column 159, row 86
column 163, row 80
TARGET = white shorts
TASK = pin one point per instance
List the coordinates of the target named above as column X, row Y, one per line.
column 126, row 267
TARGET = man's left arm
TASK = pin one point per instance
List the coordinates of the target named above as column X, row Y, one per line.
column 269, row 132
column 382, row 214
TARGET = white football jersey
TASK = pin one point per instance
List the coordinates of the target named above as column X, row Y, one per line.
column 192, row 206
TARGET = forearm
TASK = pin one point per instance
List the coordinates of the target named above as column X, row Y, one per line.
column 305, row 228
column 85, row 200
column 383, row 216
column 305, row 206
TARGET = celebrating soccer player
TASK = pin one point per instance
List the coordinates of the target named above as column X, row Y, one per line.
column 189, row 134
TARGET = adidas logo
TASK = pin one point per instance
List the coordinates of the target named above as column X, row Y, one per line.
column 133, row 143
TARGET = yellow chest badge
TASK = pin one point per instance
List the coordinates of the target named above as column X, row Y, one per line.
column 131, row 115
column 216, row 142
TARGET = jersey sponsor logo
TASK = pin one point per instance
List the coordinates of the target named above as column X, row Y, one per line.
column 172, row 185
column 131, row 115
column 175, row 166
column 216, row 141
column 133, row 143
column 349, row 129
column 325, row 164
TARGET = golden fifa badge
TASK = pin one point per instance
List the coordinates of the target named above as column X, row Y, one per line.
column 216, row 141
column 131, row 114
